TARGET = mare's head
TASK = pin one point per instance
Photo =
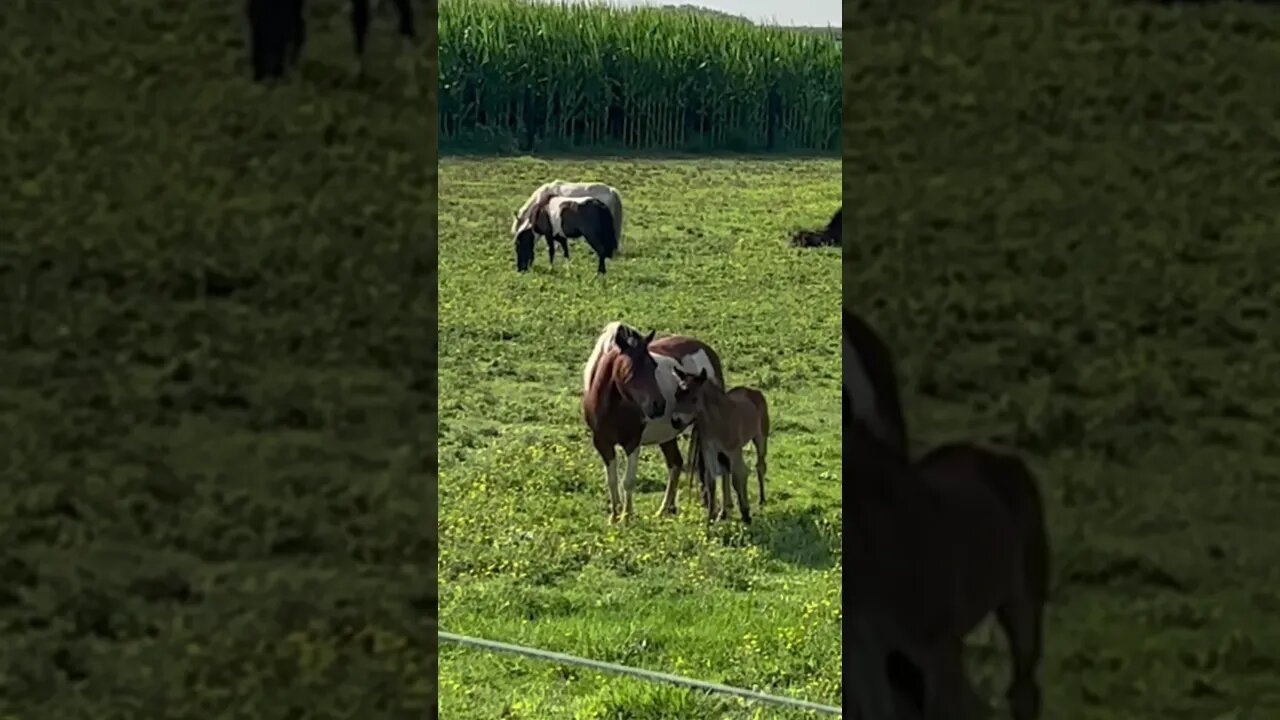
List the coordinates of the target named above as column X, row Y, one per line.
column 635, row 373
column 688, row 397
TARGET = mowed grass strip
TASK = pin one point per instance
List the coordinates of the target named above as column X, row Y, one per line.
column 527, row 553
column 1066, row 227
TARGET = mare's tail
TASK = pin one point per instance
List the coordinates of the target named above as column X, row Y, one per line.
column 1021, row 493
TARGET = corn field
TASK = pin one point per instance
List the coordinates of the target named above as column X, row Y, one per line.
column 575, row 75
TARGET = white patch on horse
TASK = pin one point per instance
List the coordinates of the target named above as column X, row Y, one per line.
column 861, row 391
column 660, row 430
column 555, row 206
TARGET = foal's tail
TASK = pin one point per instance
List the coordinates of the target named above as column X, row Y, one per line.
column 1022, row 494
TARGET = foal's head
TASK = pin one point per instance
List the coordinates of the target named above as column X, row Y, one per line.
column 635, row 373
column 688, row 397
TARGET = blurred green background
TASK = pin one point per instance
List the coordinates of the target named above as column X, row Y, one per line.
column 1063, row 217
column 217, row 369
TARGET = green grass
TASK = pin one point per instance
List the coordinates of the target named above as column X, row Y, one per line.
column 528, row 555
column 1069, row 237
column 216, row 372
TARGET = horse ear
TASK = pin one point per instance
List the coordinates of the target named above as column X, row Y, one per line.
column 649, row 338
column 681, row 374
column 702, row 374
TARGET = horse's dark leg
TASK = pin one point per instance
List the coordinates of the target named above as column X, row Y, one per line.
column 298, row 25
column 360, row 28
column 564, row 247
column 739, row 470
column 599, row 264
column 675, row 463
column 405, row 10
column 258, row 50
column 1021, row 619
column 551, row 249
column 608, row 454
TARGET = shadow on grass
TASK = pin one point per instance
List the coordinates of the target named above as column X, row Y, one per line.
column 795, row 535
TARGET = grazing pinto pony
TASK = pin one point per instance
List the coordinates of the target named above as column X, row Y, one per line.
column 727, row 421
column 628, row 395
column 562, row 218
column 278, row 30
column 562, row 188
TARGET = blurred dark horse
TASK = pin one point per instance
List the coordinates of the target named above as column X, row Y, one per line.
column 830, row 236
column 278, row 30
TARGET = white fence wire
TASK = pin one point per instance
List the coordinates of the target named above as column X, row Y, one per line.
column 650, row 675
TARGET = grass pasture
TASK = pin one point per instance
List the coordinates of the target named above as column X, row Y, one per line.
column 1066, row 227
column 216, row 368
column 528, row 555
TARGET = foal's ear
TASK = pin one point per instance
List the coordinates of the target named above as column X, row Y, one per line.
column 649, row 338
column 702, row 374
column 681, row 375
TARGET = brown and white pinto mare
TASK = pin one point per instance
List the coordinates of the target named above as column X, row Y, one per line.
column 936, row 546
column 726, row 421
column 629, row 387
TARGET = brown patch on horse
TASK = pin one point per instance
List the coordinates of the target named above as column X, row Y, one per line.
column 727, row 421
column 939, row 545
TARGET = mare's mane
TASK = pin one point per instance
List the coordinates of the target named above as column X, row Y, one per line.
column 612, row 332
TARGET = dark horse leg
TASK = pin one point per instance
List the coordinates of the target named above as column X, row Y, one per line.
column 551, row 249
column 360, row 28
column 564, row 247
column 1020, row 618
column 268, row 33
column 600, row 254
column 405, row 10
column 297, row 36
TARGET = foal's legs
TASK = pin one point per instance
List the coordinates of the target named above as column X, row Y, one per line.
column 761, row 442
column 1021, row 618
column 739, row 470
column 726, row 483
column 675, row 463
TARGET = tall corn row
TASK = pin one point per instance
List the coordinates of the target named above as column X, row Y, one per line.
column 580, row 75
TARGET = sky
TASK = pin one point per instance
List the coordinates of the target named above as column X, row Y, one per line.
column 796, row 12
